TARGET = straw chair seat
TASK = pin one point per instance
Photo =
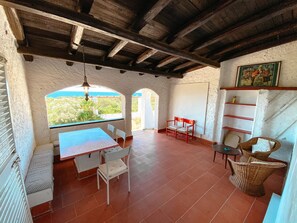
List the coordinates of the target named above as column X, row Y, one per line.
column 250, row 176
column 246, row 149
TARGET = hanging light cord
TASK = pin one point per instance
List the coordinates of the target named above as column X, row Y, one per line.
column 84, row 60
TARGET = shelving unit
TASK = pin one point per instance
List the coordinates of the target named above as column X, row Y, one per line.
column 239, row 116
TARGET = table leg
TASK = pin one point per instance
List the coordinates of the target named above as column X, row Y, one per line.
column 235, row 158
column 214, row 156
column 226, row 161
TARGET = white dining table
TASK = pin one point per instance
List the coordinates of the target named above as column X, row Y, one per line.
column 84, row 146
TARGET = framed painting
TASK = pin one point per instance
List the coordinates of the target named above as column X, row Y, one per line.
column 258, row 75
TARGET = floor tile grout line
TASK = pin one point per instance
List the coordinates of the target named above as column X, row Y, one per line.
column 158, row 189
column 249, row 210
column 202, row 196
column 223, row 205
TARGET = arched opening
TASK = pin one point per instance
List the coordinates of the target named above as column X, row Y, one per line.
column 69, row 107
column 145, row 109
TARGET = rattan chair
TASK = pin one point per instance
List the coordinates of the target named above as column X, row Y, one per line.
column 246, row 149
column 250, row 176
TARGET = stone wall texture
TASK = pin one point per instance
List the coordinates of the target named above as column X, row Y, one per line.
column 46, row 75
column 18, row 95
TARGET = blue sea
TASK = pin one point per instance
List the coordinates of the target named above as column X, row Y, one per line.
column 81, row 94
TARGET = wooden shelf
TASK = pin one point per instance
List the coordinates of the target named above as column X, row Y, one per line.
column 259, row 88
column 237, row 130
column 230, row 103
column 239, row 117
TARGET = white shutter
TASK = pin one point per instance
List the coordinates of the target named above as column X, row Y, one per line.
column 7, row 146
column 14, row 207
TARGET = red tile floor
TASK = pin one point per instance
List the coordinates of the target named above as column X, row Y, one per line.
column 171, row 181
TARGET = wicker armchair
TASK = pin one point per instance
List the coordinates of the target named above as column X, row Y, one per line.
column 250, row 176
column 246, row 149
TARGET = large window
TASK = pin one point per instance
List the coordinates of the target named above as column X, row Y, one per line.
column 68, row 106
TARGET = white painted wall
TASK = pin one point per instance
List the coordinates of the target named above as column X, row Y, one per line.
column 46, row 75
column 18, row 95
column 206, row 75
column 190, row 101
column 287, row 53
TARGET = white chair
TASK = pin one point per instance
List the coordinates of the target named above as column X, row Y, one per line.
column 111, row 129
column 113, row 167
column 119, row 134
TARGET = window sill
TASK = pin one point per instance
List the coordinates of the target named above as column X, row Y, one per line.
column 83, row 123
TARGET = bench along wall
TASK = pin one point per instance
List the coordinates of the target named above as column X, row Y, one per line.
column 46, row 75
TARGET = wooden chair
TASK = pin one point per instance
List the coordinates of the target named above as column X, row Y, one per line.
column 187, row 130
column 114, row 167
column 173, row 125
column 250, row 176
column 246, row 149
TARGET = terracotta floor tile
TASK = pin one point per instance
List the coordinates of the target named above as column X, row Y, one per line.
column 170, row 181
column 57, row 203
column 208, row 205
column 85, row 205
column 256, row 213
column 64, row 214
column 72, row 197
column 193, row 216
column 240, row 202
column 228, row 215
column 97, row 215
column 46, row 218
column 180, row 182
column 157, row 217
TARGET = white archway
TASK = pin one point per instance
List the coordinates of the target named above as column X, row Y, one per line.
column 145, row 109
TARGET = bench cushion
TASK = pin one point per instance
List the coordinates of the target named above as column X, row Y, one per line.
column 40, row 173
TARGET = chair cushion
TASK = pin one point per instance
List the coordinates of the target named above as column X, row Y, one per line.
column 173, row 127
column 183, row 129
column 40, row 172
column 114, row 149
column 262, row 145
column 114, row 167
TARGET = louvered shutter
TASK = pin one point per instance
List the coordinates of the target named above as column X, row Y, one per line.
column 14, row 207
column 6, row 135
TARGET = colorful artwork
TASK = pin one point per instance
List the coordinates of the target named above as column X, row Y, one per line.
column 258, row 75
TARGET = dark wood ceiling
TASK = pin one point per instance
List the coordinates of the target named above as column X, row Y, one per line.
column 159, row 37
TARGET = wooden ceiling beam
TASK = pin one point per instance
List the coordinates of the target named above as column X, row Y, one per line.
column 202, row 18
column 193, row 68
column 167, row 60
column 84, row 6
column 255, row 38
column 257, row 47
column 149, row 13
column 252, row 20
column 61, row 14
column 183, row 65
column 148, row 53
column 15, row 25
column 191, row 25
column 36, row 32
column 17, row 29
column 90, row 59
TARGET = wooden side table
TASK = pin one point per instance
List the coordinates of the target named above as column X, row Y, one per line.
column 225, row 152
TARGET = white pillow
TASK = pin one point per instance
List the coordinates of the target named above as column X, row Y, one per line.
column 262, row 145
